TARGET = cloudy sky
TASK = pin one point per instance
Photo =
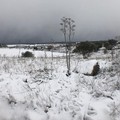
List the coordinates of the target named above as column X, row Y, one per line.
column 38, row 20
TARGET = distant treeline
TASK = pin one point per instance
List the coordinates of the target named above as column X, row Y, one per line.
column 3, row 45
column 94, row 46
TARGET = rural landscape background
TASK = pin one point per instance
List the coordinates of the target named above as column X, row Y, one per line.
column 60, row 60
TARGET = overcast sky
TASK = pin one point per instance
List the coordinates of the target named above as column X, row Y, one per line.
column 38, row 20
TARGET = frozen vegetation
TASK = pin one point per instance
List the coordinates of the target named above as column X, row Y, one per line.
column 38, row 88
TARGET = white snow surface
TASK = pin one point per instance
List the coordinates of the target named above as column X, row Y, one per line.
column 17, row 52
column 38, row 88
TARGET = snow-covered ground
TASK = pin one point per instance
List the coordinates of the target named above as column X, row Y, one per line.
column 38, row 88
column 16, row 52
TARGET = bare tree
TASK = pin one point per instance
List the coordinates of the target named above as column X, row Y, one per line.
column 68, row 29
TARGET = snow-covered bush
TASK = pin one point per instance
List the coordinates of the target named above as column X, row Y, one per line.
column 115, row 111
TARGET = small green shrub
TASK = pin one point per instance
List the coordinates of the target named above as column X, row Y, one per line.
column 27, row 54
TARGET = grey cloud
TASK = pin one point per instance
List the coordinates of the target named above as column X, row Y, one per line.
column 38, row 20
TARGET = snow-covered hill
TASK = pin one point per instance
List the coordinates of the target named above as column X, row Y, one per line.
column 38, row 88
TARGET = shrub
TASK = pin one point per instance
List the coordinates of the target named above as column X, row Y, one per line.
column 27, row 54
column 96, row 69
column 85, row 48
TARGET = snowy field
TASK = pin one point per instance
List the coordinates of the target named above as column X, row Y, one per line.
column 38, row 88
column 13, row 52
